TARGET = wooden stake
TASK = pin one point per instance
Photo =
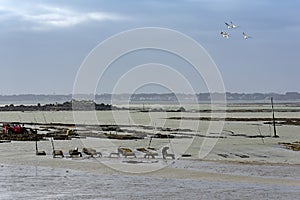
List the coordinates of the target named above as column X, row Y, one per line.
column 36, row 146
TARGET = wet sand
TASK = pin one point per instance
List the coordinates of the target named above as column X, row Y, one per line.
column 25, row 175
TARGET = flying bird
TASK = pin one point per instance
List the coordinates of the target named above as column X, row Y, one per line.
column 231, row 25
column 224, row 34
column 228, row 25
column 245, row 36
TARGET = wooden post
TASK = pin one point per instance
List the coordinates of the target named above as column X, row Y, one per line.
column 274, row 125
column 52, row 143
column 36, row 146
column 149, row 145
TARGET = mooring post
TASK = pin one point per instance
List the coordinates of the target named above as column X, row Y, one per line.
column 274, row 124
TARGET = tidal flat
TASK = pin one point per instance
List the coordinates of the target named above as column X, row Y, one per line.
column 243, row 161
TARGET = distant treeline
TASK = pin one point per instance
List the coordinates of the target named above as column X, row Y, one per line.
column 66, row 106
column 167, row 97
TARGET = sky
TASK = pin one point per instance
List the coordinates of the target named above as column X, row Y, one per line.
column 44, row 42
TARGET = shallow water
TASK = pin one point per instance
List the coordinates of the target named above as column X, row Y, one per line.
column 27, row 182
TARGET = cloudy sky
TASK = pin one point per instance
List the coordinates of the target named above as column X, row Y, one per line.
column 44, row 42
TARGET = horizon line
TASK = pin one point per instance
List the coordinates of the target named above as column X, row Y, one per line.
column 156, row 93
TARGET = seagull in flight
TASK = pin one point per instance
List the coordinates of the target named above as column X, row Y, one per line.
column 231, row 25
column 245, row 36
column 224, row 34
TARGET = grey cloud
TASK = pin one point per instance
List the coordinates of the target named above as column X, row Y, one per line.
column 44, row 17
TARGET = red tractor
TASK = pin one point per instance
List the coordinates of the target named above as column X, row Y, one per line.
column 14, row 128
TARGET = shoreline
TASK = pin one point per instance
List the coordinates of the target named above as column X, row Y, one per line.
column 90, row 105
